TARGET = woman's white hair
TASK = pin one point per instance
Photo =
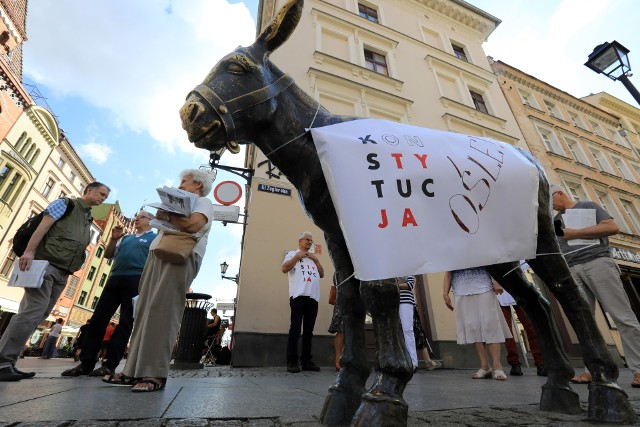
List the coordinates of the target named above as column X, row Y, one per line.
column 200, row 176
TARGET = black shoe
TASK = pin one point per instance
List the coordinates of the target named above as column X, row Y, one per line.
column 293, row 367
column 541, row 371
column 516, row 371
column 25, row 375
column 77, row 371
column 310, row 366
column 9, row 374
column 102, row 371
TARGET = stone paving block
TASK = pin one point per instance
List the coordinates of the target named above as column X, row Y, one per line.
column 227, row 423
column 187, row 422
column 95, row 423
column 43, row 424
column 148, row 422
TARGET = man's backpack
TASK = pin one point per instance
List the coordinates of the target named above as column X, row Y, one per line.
column 26, row 230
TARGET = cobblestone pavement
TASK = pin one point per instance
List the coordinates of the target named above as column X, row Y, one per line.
column 264, row 397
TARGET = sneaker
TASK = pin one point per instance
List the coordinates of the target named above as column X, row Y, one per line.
column 9, row 374
column 102, row 371
column 516, row 371
column 25, row 375
column 77, row 371
column 293, row 367
column 310, row 366
column 541, row 371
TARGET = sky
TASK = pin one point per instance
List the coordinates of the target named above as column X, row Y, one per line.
column 115, row 74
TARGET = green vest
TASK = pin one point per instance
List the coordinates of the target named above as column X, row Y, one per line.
column 65, row 243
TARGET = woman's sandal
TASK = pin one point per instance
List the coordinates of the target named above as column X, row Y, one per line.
column 636, row 380
column 499, row 375
column 433, row 364
column 584, row 378
column 120, row 379
column 482, row 374
column 153, row 382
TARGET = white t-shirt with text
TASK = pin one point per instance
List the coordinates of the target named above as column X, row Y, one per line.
column 304, row 278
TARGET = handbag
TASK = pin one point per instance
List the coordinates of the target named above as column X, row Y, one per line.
column 332, row 295
column 175, row 248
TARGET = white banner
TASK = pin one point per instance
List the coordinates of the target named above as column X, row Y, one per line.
column 412, row 200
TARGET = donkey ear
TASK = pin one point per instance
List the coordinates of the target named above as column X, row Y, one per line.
column 281, row 27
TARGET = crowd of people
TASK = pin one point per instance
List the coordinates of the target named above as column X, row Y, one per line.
column 160, row 277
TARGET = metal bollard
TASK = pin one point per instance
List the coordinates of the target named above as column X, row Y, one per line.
column 192, row 331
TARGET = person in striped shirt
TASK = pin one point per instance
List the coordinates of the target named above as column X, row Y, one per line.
column 407, row 300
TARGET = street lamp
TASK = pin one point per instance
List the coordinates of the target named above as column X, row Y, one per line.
column 611, row 60
column 223, row 270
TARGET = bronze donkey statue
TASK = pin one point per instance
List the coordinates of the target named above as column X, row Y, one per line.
column 247, row 99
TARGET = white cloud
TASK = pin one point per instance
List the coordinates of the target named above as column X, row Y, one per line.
column 99, row 153
column 136, row 59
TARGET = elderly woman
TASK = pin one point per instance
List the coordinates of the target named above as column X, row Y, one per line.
column 163, row 286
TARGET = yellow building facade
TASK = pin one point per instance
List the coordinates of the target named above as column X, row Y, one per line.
column 415, row 62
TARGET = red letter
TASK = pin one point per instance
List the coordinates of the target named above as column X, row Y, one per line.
column 398, row 157
column 423, row 160
column 408, row 218
column 384, row 222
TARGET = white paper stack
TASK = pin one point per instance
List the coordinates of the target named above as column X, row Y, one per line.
column 31, row 278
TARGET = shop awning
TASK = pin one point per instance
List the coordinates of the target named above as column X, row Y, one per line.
column 9, row 305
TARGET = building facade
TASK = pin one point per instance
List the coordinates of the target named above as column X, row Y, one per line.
column 415, row 62
column 590, row 147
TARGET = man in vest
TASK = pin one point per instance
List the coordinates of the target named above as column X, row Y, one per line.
column 62, row 241
column 129, row 253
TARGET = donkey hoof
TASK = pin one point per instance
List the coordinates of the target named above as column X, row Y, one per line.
column 560, row 400
column 381, row 411
column 339, row 406
column 609, row 403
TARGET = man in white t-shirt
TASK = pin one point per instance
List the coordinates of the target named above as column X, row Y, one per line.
column 305, row 272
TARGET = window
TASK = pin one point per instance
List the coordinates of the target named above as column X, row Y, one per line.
column 478, row 102
column 12, row 184
column 553, row 110
column 110, row 261
column 4, row 173
column 607, row 204
column 550, row 141
column 622, row 168
column 82, row 298
column 72, row 177
column 575, row 191
column 62, row 194
column 103, row 279
column 459, row 52
column 576, row 151
column 81, row 188
column 7, row 266
column 375, row 62
column 70, row 290
column 99, row 252
column 597, row 129
column 601, row 161
column 17, row 192
column 528, row 98
column 92, row 272
column 618, row 138
column 47, row 187
column 368, row 12
column 61, row 163
column 94, row 303
column 632, row 213
column 576, row 120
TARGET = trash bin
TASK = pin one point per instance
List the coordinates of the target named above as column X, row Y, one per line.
column 192, row 331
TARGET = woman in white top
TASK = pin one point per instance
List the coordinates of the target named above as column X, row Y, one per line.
column 162, row 293
column 479, row 320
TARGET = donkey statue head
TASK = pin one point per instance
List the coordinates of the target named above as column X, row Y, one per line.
column 238, row 93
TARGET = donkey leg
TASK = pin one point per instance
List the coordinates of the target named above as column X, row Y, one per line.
column 607, row 401
column 383, row 405
column 557, row 395
column 344, row 396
